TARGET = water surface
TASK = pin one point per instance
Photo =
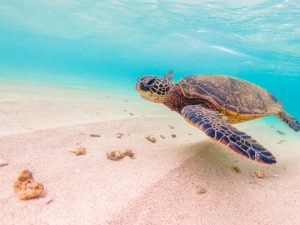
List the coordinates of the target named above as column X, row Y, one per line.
column 108, row 44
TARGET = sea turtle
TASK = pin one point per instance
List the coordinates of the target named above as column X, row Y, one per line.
column 213, row 102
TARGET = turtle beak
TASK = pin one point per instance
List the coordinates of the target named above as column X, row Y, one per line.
column 140, row 86
column 137, row 86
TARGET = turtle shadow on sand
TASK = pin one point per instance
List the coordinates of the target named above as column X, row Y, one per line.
column 208, row 159
column 206, row 165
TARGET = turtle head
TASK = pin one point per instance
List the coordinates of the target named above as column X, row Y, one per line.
column 154, row 88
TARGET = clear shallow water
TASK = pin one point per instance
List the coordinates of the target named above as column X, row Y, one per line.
column 108, row 44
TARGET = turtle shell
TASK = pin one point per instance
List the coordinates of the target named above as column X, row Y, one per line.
column 231, row 94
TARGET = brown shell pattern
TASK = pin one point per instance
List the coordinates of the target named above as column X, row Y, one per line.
column 231, row 93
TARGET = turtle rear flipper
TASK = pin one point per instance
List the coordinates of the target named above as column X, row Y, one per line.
column 289, row 120
column 212, row 124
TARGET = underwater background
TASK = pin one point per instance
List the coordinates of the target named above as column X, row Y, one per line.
column 107, row 45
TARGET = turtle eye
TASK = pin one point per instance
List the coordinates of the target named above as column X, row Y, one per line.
column 151, row 82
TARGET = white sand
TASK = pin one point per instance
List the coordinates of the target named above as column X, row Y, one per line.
column 159, row 186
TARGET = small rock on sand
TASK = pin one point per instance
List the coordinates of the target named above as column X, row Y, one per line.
column 95, row 135
column 26, row 187
column 258, row 173
column 236, row 169
column 79, row 151
column 116, row 155
column 170, row 126
column 151, row 138
column 280, row 142
column 173, row 135
column 162, row 136
column 3, row 162
column 280, row 132
column 119, row 135
column 201, row 190
column 48, row 201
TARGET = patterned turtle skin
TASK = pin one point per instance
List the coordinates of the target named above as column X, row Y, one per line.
column 213, row 103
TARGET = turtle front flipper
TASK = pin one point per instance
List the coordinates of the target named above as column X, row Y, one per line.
column 212, row 124
column 289, row 120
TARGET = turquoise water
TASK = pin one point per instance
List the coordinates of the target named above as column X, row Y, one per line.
column 108, row 44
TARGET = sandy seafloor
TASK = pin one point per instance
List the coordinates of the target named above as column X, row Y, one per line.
column 41, row 124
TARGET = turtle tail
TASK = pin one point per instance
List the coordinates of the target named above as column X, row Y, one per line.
column 289, row 120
